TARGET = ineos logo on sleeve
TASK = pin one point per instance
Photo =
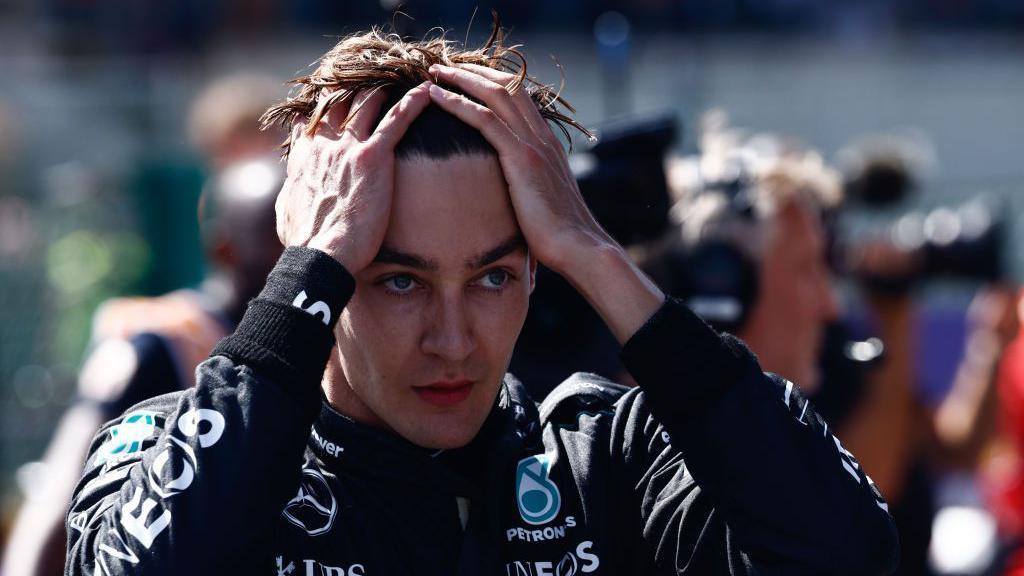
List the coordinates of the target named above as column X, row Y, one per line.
column 142, row 517
column 314, row 309
column 136, row 525
column 184, row 458
column 188, row 423
column 177, row 454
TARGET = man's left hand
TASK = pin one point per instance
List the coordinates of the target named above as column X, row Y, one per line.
column 559, row 229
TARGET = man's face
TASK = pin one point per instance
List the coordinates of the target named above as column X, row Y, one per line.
column 425, row 341
column 795, row 300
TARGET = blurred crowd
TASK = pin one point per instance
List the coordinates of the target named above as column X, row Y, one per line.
column 760, row 233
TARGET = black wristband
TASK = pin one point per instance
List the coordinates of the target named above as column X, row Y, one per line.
column 287, row 331
column 311, row 280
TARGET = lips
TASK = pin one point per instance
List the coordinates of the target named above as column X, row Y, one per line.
column 445, row 393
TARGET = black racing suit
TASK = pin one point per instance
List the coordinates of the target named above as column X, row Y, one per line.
column 709, row 467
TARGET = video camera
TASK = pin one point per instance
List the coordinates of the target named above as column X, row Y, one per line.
column 965, row 241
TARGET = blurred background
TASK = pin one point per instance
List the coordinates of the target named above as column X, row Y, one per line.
column 104, row 148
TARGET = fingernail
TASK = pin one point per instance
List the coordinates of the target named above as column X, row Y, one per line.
column 433, row 68
column 436, row 90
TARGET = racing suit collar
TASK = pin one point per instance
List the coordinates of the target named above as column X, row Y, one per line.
column 343, row 445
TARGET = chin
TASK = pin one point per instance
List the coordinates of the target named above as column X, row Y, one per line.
column 444, row 437
column 439, row 431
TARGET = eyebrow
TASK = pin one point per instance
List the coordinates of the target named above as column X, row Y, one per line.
column 510, row 245
column 388, row 255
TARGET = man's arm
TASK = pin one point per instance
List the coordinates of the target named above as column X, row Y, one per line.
column 787, row 496
column 965, row 421
column 777, row 491
column 782, row 482
column 885, row 426
column 195, row 481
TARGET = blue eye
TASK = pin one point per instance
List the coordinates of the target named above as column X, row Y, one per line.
column 400, row 284
column 495, row 279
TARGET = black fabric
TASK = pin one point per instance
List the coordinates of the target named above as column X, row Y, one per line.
column 709, row 467
column 913, row 514
column 311, row 271
column 706, row 364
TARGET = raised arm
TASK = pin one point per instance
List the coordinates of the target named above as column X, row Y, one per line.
column 194, row 483
column 224, row 455
column 774, row 487
column 796, row 501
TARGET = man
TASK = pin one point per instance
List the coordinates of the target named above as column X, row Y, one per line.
column 754, row 260
column 387, row 326
column 750, row 252
column 147, row 346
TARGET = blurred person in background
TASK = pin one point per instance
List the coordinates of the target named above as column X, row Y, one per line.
column 143, row 347
column 929, row 450
column 1003, row 473
column 749, row 250
column 752, row 255
column 223, row 121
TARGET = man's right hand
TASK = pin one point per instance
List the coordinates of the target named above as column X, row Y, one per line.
column 340, row 181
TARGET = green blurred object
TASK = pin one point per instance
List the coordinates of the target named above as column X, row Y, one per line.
column 167, row 193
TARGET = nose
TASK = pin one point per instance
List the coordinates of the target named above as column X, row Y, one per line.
column 449, row 335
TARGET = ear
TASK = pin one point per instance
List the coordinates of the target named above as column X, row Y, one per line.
column 531, row 262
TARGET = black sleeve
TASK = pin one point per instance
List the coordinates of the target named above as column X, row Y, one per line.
column 760, row 485
column 192, row 482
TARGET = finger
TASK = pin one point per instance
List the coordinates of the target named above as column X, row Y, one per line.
column 494, row 95
column 398, row 119
column 365, row 110
column 331, row 110
column 493, row 127
column 499, row 76
column 340, row 103
column 523, row 102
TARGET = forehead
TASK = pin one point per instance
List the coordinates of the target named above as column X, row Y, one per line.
column 449, row 210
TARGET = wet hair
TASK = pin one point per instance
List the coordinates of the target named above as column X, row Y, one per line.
column 378, row 60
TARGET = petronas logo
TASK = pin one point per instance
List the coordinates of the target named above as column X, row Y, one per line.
column 538, row 497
